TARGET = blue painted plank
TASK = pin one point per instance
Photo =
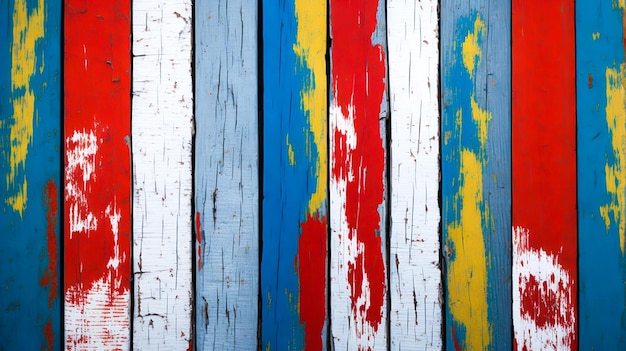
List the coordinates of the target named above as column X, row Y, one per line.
column 601, row 97
column 30, row 168
column 226, row 175
column 476, row 176
column 294, row 233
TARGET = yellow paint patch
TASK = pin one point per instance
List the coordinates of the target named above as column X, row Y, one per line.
column 467, row 274
column 481, row 117
column 27, row 29
column 616, row 172
column 470, row 48
column 595, row 35
column 310, row 47
column 290, row 153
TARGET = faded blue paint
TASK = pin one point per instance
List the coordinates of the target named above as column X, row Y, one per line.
column 27, row 303
column 226, row 175
column 491, row 87
column 602, row 264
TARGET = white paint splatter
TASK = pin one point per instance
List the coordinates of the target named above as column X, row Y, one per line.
column 541, row 288
column 82, row 148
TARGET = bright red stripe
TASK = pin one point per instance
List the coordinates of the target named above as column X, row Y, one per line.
column 544, row 161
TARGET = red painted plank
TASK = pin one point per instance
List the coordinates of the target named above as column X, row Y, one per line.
column 97, row 174
column 544, row 175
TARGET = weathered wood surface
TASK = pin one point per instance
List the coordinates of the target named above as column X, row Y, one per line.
column 476, row 176
column 415, row 275
column 295, row 168
column 358, row 191
column 162, row 163
column 30, row 169
column 601, row 101
column 97, row 208
column 544, row 275
column 226, row 175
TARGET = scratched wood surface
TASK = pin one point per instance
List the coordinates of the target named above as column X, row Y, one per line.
column 601, row 99
column 476, row 178
column 415, row 276
column 358, row 192
column 226, row 175
column 97, row 208
column 162, row 128
column 544, row 176
column 30, row 169
column 294, row 235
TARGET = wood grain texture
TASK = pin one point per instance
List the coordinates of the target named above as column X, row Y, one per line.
column 30, row 168
column 97, row 175
column 544, row 176
column 415, row 275
column 295, row 173
column 476, row 176
column 601, row 97
column 226, row 175
column 358, row 192
column 162, row 127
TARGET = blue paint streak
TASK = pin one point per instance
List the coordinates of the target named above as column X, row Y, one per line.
column 286, row 188
column 602, row 267
column 492, row 89
column 24, row 308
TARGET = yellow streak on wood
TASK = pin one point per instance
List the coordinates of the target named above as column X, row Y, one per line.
column 471, row 51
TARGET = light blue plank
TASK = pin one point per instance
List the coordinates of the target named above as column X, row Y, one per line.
column 476, row 173
column 226, row 175
column 30, row 168
column 601, row 88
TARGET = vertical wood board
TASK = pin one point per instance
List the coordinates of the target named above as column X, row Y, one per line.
column 30, row 169
column 162, row 126
column 476, row 177
column 601, row 152
column 226, row 175
column 358, row 191
column 97, row 175
column 544, row 275
column 415, row 275
column 295, row 173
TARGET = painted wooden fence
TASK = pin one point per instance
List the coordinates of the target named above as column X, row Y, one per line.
column 319, row 175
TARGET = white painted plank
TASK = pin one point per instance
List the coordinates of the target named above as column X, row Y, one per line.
column 161, row 143
column 226, row 175
column 415, row 274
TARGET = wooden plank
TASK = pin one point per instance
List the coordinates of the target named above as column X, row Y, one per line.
column 358, row 192
column 97, row 175
column 293, row 265
column 544, row 176
column 476, row 177
column 162, row 128
column 601, row 97
column 30, row 168
column 226, row 175
column 415, row 274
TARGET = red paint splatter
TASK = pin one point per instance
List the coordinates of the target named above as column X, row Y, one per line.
column 97, row 110
column 49, row 335
column 544, row 304
column 312, row 273
column 50, row 277
column 199, row 239
column 359, row 85
column 457, row 345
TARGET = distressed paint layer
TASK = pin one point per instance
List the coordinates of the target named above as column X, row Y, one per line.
column 476, row 174
column 415, row 275
column 601, row 148
column 162, row 129
column 30, row 119
column 357, row 184
column 97, row 175
column 293, row 266
column 226, row 175
column 544, row 173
